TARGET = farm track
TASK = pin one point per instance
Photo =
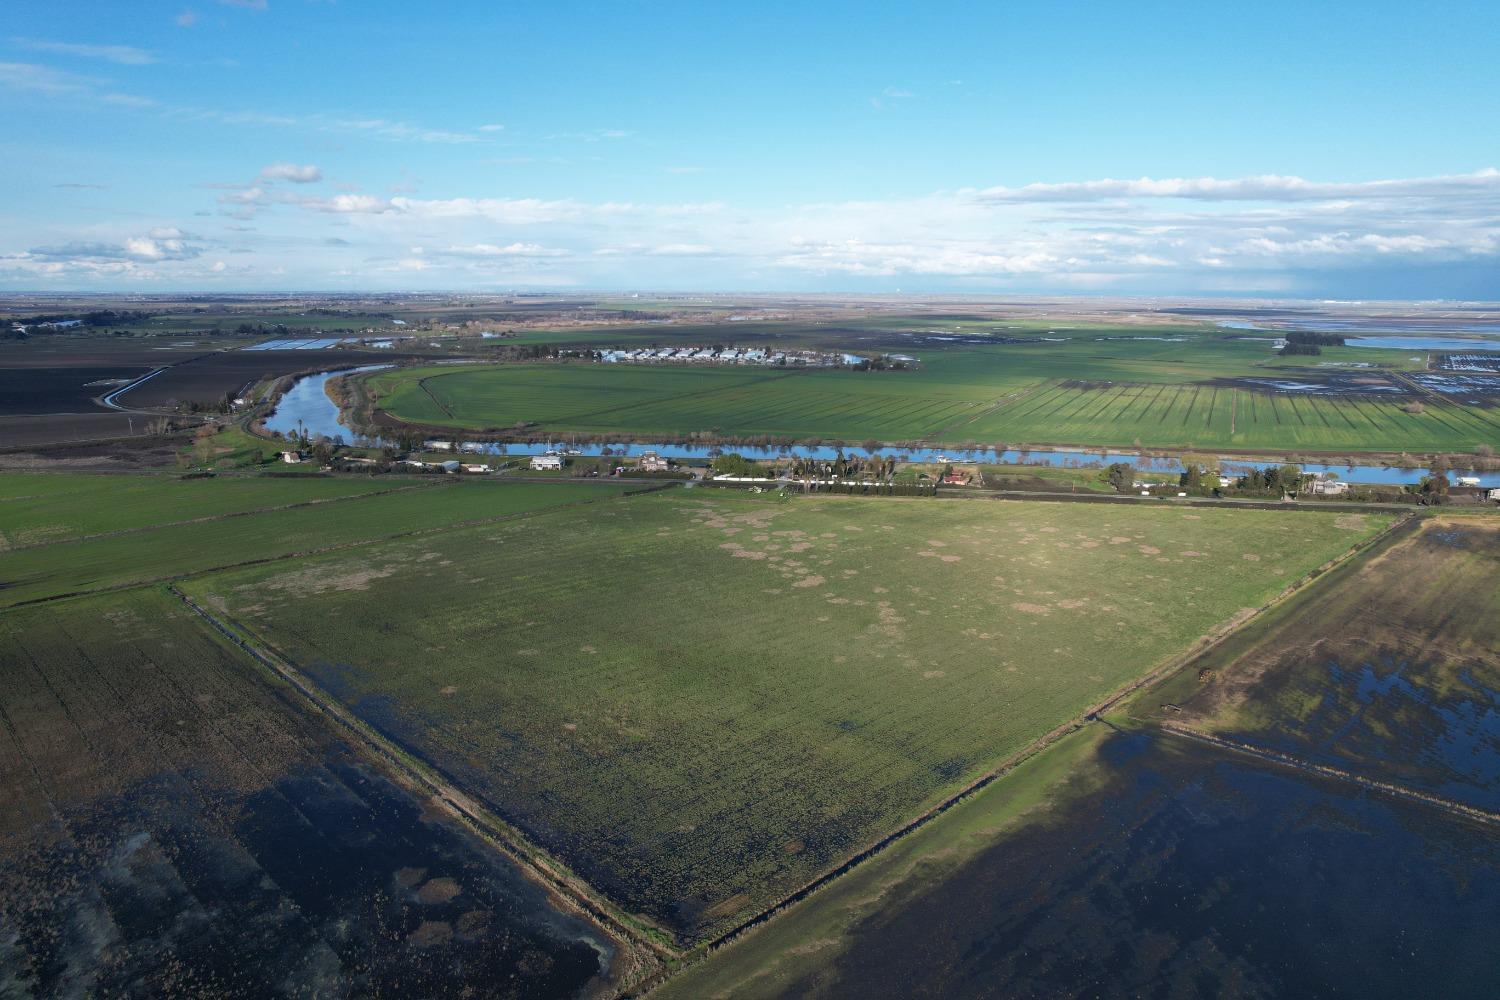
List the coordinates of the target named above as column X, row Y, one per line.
column 1089, row 715
column 343, row 546
column 1338, row 774
column 221, row 517
column 420, row 776
column 422, row 382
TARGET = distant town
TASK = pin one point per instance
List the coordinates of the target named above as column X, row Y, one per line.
column 717, row 355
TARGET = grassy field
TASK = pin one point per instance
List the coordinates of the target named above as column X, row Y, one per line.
column 1389, row 669
column 177, row 824
column 673, row 401
column 1203, row 416
column 1125, row 861
column 700, row 703
column 38, row 508
column 110, row 561
column 1082, row 388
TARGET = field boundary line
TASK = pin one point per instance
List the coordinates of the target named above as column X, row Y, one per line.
column 323, row 550
column 419, row 775
column 985, row 409
column 222, row 517
column 1166, row 668
column 422, row 384
column 1335, row 773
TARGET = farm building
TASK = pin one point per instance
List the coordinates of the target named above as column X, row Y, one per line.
column 652, row 462
column 1468, row 480
column 1328, row 487
column 548, row 461
column 291, row 457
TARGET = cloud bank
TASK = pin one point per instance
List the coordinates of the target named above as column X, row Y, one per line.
column 1204, row 235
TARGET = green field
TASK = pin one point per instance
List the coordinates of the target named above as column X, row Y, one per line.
column 674, row 401
column 1159, row 387
column 173, row 549
column 1208, row 416
column 701, row 703
column 56, row 507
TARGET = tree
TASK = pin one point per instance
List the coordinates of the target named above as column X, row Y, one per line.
column 734, row 464
column 1208, row 465
column 1434, row 487
column 1121, row 475
column 203, row 444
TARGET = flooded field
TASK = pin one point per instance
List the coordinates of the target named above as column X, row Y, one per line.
column 1390, row 671
column 177, row 825
column 1423, row 343
column 1188, row 872
column 1324, row 385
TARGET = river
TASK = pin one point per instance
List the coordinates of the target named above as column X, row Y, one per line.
column 308, row 406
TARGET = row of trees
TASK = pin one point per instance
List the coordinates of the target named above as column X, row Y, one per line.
column 842, row 467
column 1315, row 339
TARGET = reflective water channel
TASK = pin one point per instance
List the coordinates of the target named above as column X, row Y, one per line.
column 306, row 406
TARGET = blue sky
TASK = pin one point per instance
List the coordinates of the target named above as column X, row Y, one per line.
column 1283, row 149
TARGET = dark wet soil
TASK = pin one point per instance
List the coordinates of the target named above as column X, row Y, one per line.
column 1195, row 873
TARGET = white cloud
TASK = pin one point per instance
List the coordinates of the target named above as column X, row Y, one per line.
column 492, row 128
column 350, row 204
column 307, row 174
column 682, row 250
column 1268, row 187
column 186, row 19
column 1219, row 239
column 511, row 250
column 125, row 55
column 383, row 129
column 890, row 97
column 159, row 244
column 253, row 195
column 591, row 135
column 56, row 83
column 44, row 79
column 128, row 100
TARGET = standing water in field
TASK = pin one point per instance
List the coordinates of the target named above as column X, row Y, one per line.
column 1194, row 872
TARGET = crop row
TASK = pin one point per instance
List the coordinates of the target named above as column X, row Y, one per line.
column 1219, row 416
column 701, row 703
